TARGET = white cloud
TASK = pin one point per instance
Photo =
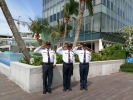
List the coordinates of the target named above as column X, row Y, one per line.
column 22, row 9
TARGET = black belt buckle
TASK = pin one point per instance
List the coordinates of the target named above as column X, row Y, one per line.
column 68, row 63
column 47, row 63
column 84, row 63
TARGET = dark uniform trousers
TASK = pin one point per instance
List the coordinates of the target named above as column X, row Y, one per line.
column 67, row 73
column 47, row 70
column 83, row 69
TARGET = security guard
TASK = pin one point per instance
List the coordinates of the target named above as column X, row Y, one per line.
column 68, row 61
column 49, row 62
column 84, row 58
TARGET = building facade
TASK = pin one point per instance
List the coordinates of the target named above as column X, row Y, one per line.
column 109, row 15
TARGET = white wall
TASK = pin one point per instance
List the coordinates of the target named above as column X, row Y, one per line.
column 29, row 77
column 5, row 69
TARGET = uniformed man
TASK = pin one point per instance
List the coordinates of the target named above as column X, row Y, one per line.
column 84, row 58
column 49, row 62
column 68, row 61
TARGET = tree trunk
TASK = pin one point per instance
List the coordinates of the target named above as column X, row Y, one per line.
column 65, row 32
column 39, row 41
column 79, row 23
column 14, row 29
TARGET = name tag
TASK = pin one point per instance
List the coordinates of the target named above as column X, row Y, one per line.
column 44, row 52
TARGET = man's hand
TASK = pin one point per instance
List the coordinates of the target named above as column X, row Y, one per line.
column 80, row 46
column 54, row 66
column 43, row 45
column 64, row 46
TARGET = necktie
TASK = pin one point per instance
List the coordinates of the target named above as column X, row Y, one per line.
column 69, row 56
column 48, row 57
column 84, row 56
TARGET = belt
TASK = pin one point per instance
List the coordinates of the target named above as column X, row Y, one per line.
column 47, row 63
column 84, row 63
column 67, row 63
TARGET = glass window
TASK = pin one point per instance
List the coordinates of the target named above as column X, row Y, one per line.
column 88, row 21
column 88, row 27
column 121, row 13
column 107, row 23
column 61, row 14
column 96, row 22
column 103, row 23
column 51, row 18
column 62, row 4
column 104, row 2
column 58, row 15
column 45, row 13
column 115, row 25
column 111, row 28
column 111, row 5
column 51, row 11
column 108, row 3
column 97, row 2
column 54, row 17
column 97, row 8
column 54, row 9
column 118, row 10
column 58, row 7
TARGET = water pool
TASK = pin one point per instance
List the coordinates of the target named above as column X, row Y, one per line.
column 7, row 57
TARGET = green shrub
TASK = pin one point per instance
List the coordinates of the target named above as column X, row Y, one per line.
column 115, row 47
column 37, row 54
column 76, row 58
column 23, row 60
column 111, row 53
column 59, row 59
column 127, row 67
column 96, row 57
column 37, row 61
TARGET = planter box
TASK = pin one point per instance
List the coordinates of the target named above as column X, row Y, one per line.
column 29, row 77
column 5, row 69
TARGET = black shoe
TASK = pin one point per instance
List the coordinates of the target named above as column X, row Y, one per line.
column 81, row 87
column 64, row 89
column 49, row 91
column 45, row 91
column 70, row 89
column 86, row 88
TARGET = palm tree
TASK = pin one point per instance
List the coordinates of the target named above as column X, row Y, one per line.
column 59, row 30
column 14, row 30
column 69, row 8
column 81, row 13
column 39, row 26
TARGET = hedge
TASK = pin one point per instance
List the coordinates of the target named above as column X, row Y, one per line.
column 105, row 55
column 127, row 67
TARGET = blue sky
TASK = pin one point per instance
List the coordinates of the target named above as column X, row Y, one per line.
column 24, row 8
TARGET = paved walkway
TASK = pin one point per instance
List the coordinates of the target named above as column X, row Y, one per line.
column 118, row 86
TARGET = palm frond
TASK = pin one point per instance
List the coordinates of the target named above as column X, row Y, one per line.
column 75, row 19
column 90, row 7
column 70, row 8
column 54, row 35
